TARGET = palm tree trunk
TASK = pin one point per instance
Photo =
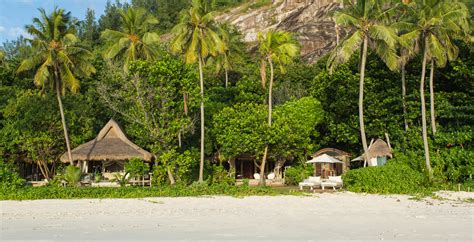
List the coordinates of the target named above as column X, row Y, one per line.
column 270, row 103
column 361, row 99
column 170, row 176
column 423, row 115
column 432, row 101
column 226, row 78
column 201, row 83
column 63, row 119
column 270, row 95
column 404, row 94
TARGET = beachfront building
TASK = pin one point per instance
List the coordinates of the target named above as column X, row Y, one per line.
column 332, row 168
column 108, row 152
column 377, row 153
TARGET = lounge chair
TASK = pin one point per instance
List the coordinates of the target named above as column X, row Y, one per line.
column 271, row 176
column 333, row 181
column 311, row 182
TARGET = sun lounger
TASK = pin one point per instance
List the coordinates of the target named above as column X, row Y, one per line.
column 333, row 181
column 271, row 176
column 311, row 182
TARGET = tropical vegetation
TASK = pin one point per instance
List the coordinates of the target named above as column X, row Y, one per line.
column 156, row 72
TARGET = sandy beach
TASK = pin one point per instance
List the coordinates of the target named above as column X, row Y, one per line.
column 329, row 216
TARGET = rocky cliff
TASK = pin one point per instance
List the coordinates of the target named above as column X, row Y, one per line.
column 310, row 20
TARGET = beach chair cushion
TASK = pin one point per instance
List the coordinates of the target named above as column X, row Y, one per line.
column 336, row 179
column 271, row 176
column 314, row 179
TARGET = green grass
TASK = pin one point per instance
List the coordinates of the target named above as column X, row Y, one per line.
column 51, row 192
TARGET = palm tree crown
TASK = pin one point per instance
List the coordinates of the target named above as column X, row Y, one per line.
column 57, row 52
column 233, row 49
column 365, row 19
column 433, row 25
column 277, row 47
column 196, row 34
column 135, row 39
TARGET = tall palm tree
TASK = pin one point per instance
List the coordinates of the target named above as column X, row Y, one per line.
column 277, row 47
column 58, row 57
column 365, row 20
column 195, row 36
column 233, row 49
column 135, row 39
column 435, row 24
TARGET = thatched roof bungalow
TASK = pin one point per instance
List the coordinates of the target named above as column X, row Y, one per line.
column 325, row 170
column 377, row 153
column 110, row 149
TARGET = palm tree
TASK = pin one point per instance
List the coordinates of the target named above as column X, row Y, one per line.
column 135, row 39
column 365, row 21
column 196, row 37
column 435, row 23
column 275, row 47
column 233, row 50
column 58, row 57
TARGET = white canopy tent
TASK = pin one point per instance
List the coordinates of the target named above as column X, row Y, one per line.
column 324, row 158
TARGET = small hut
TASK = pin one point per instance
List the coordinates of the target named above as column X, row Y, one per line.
column 108, row 152
column 332, row 169
column 377, row 153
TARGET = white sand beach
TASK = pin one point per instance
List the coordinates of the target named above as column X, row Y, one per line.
column 328, row 216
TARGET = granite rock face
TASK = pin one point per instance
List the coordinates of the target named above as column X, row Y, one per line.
column 310, row 20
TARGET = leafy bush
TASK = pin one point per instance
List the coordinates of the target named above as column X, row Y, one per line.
column 136, row 167
column 159, row 176
column 121, row 179
column 296, row 174
column 72, row 175
column 10, row 180
column 220, row 175
column 393, row 178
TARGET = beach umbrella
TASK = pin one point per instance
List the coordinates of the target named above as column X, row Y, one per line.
column 324, row 158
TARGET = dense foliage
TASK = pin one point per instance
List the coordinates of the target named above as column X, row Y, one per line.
column 394, row 178
column 156, row 92
column 297, row 173
column 10, row 180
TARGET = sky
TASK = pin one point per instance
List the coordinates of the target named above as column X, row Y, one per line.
column 15, row 14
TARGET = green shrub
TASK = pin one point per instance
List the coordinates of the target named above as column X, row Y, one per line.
column 10, row 180
column 72, row 175
column 296, row 174
column 159, row 177
column 220, row 175
column 121, row 179
column 136, row 167
column 393, row 178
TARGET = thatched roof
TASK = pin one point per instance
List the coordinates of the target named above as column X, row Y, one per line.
column 332, row 152
column 110, row 144
column 379, row 148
